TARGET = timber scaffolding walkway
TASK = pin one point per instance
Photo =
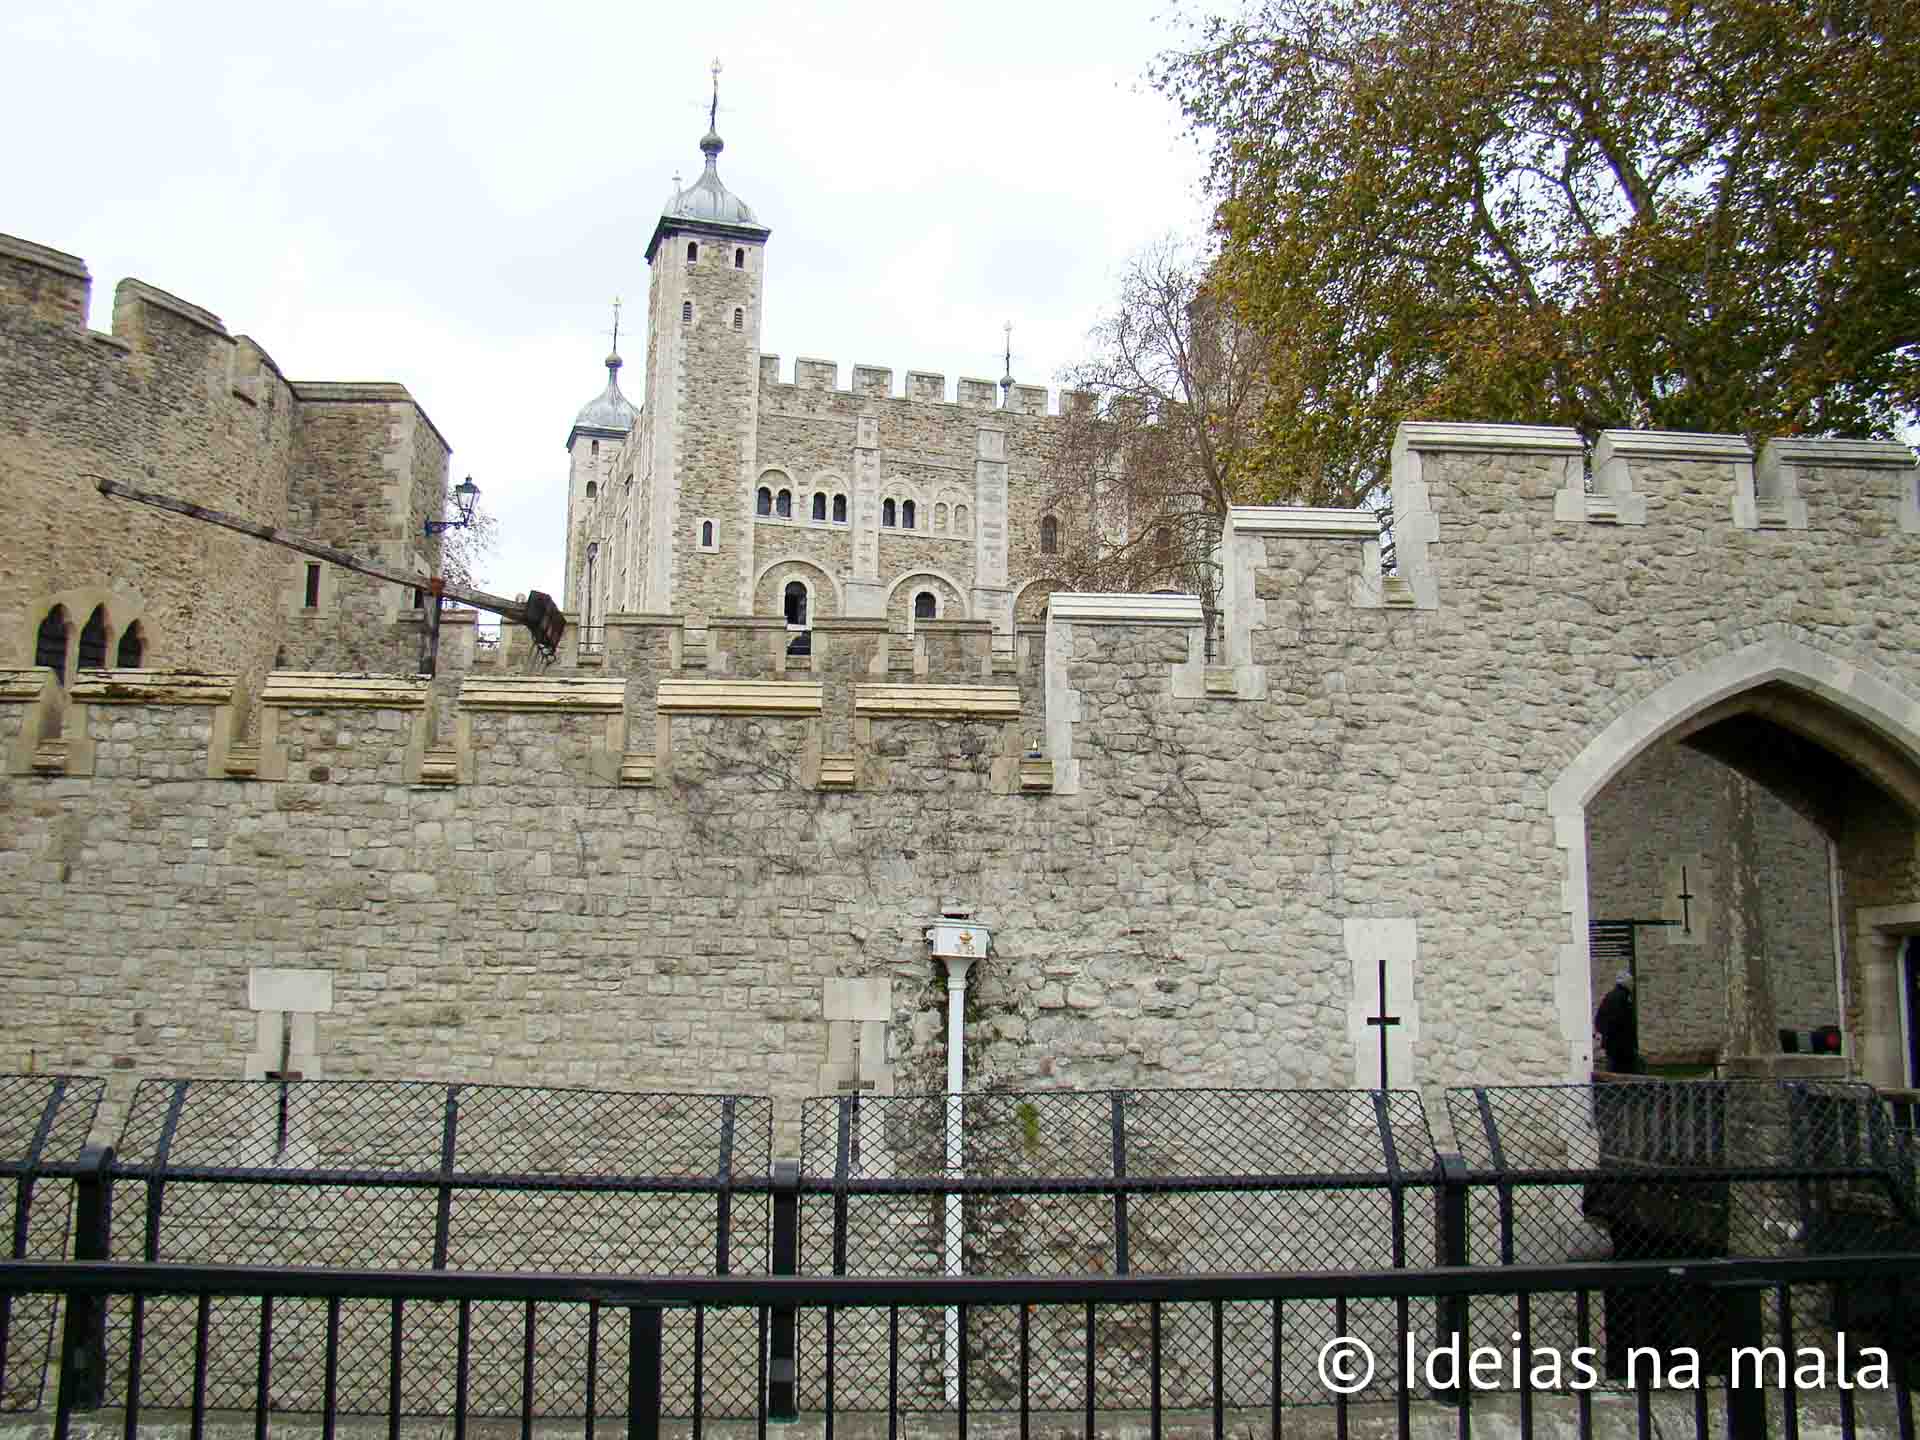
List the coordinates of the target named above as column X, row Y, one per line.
column 1168, row 1259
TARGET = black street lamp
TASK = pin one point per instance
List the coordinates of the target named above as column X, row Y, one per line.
column 465, row 495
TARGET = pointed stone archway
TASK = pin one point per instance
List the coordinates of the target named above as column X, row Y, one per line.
column 1834, row 738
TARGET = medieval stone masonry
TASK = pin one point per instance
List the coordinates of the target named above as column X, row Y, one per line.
column 738, row 488
column 1667, row 679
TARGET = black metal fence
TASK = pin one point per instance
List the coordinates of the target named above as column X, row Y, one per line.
column 1300, row 1190
column 44, row 1124
column 1867, row 1390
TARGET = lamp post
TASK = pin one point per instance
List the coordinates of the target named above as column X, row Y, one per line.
column 466, row 495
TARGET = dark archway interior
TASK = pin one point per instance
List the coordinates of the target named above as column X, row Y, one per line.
column 1744, row 842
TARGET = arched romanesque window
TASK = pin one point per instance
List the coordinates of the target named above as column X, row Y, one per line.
column 839, row 509
column 132, row 650
column 906, row 514
column 706, row 534
column 794, row 600
column 739, row 259
column 960, row 520
column 50, row 645
column 926, row 605
column 693, row 252
column 939, row 519
column 592, row 489
column 886, row 514
column 783, row 505
column 819, row 504
column 763, row 502
column 93, row 641
column 1049, row 535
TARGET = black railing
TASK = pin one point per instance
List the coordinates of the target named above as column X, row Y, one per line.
column 44, row 1122
column 1055, row 1186
column 624, row 1317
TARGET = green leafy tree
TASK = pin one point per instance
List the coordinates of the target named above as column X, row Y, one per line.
column 1691, row 215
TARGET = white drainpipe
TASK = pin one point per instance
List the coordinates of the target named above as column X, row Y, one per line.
column 957, row 943
column 957, row 969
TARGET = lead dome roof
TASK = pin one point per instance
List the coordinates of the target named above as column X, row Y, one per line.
column 609, row 410
column 707, row 205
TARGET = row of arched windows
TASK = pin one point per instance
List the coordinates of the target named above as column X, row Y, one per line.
column 51, row 641
column 794, row 603
column 906, row 515
column 778, row 505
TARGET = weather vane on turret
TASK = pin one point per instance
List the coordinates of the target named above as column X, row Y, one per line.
column 1006, row 381
column 616, row 324
column 713, row 115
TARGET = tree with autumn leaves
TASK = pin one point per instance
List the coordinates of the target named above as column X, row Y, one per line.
column 1694, row 215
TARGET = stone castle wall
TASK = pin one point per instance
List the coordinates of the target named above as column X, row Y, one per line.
column 167, row 401
column 170, row 402
column 644, row 873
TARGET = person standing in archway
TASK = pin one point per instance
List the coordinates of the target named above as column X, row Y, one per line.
column 1619, row 1027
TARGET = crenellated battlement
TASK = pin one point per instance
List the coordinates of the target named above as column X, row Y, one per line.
column 1482, row 517
column 917, row 387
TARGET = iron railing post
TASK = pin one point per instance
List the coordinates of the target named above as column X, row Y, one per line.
column 83, row 1341
column 1450, row 1243
column 1740, row 1305
column 782, row 1396
column 643, row 1372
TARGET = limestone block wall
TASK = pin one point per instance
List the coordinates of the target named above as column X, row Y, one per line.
column 976, row 500
column 369, row 469
column 1202, row 878
column 168, row 401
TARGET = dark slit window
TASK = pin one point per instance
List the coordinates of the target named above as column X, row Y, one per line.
column 93, row 641
column 50, row 645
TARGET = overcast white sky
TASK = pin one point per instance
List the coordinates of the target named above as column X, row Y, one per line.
column 450, row 195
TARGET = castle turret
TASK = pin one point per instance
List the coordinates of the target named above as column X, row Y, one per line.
column 703, row 350
column 593, row 517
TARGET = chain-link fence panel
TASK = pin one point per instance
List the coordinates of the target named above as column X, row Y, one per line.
column 44, row 1124
column 1109, row 1182
column 378, row 1175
